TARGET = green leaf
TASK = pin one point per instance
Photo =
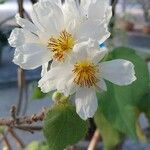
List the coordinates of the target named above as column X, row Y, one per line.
column 138, row 87
column 111, row 136
column 63, row 127
column 115, row 107
column 118, row 104
column 2, row 129
column 2, row 1
column 144, row 104
column 38, row 94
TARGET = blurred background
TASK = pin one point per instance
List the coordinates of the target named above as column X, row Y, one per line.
column 130, row 27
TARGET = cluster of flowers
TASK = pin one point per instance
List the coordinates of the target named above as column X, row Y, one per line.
column 71, row 37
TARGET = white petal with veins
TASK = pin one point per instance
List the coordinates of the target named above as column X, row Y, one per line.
column 86, row 103
column 31, row 56
column 119, row 71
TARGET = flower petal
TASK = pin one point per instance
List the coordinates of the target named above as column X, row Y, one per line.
column 71, row 87
column 86, row 103
column 98, row 54
column 58, row 2
column 99, row 10
column 108, row 14
column 55, row 64
column 50, row 80
column 88, row 50
column 85, row 31
column 20, row 36
column 31, row 56
column 80, row 51
column 24, row 23
column 48, row 16
column 16, row 37
column 71, row 11
column 66, row 86
column 85, row 6
column 49, row 85
column 119, row 71
column 44, row 69
column 101, row 85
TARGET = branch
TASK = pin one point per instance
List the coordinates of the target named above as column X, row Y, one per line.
column 21, row 83
column 18, row 140
column 6, row 142
column 29, row 128
column 23, row 123
column 94, row 140
column 21, row 74
column 22, row 120
column 112, row 22
column 20, row 8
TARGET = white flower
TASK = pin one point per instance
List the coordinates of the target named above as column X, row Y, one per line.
column 55, row 29
column 83, row 74
column 97, row 9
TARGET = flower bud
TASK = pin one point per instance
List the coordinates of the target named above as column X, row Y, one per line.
column 57, row 96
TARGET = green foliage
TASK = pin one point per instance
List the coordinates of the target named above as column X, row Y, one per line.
column 138, row 87
column 38, row 94
column 2, row 129
column 144, row 104
column 114, row 104
column 2, row 1
column 111, row 136
column 35, row 145
column 63, row 127
column 119, row 104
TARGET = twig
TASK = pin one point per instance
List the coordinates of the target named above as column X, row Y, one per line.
column 18, row 140
column 21, row 81
column 29, row 128
column 21, row 122
column 94, row 140
column 13, row 112
column 26, row 99
column 3, row 135
column 112, row 22
column 6, row 142
column 24, row 122
column 20, row 8
column 21, row 75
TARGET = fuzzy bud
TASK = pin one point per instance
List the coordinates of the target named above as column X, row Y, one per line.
column 57, row 96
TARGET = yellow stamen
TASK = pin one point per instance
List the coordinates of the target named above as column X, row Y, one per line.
column 61, row 46
column 85, row 73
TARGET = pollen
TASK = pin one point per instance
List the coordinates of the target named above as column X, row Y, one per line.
column 85, row 73
column 61, row 45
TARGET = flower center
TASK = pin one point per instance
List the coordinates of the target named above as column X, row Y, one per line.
column 61, row 46
column 85, row 73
